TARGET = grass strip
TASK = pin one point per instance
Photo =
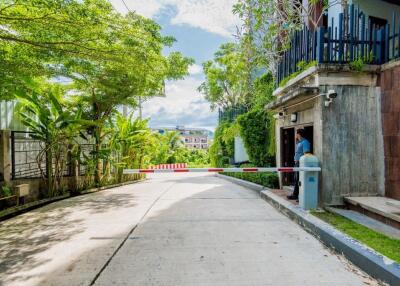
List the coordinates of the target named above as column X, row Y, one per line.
column 381, row 243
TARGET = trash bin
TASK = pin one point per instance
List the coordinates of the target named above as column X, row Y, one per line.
column 308, row 193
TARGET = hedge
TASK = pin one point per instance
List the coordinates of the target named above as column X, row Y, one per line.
column 269, row 180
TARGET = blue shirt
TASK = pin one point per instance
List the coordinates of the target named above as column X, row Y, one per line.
column 303, row 146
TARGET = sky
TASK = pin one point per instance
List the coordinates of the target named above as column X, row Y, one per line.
column 200, row 27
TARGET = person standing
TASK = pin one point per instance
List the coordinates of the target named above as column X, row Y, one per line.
column 303, row 146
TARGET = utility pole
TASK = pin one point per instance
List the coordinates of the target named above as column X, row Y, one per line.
column 125, row 110
column 140, row 107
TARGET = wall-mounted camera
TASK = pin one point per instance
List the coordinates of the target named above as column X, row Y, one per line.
column 330, row 96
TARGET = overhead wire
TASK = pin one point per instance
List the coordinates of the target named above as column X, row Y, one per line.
column 126, row 6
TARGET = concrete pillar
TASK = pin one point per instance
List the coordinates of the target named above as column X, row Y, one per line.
column 5, row 156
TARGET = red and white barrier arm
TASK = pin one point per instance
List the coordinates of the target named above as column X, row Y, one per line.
column 219, row 170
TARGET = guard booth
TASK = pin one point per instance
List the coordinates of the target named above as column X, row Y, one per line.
column 345, row 132
column 288, row 147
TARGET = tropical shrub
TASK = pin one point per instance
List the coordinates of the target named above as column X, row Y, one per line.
column 222, row 149
column 255, row 130
column 56, row 126
column 269, row 180
column 131, row 143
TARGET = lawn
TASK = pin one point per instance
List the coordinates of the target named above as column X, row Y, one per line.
column 381, row 243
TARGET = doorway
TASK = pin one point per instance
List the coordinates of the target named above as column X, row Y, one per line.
column 309, row 130
column 288, row 148
column 287, row 154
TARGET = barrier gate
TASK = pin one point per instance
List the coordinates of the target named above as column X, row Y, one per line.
column 308, row 172
column 223, row 170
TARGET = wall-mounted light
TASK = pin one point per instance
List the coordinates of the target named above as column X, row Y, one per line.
column 293, row 117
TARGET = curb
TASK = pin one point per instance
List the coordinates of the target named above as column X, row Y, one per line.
column 17, row 210
column 367, row 259
column 95, row 190
column 243, row 183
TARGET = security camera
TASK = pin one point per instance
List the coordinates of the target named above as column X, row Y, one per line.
column 283, row 113
column 331, row 94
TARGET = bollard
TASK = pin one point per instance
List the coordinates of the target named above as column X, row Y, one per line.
column 308, row 193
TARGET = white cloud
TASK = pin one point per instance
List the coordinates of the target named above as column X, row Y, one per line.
column 148, row 8
column 183, row 105
column 195, row 69
column 214, row 16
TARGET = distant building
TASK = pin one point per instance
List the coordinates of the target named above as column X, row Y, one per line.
column 193, row 138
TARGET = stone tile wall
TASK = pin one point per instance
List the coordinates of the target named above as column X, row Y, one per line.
column 390, row 87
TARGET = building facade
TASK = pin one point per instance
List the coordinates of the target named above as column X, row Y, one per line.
column 192, row 138
column 348, row 102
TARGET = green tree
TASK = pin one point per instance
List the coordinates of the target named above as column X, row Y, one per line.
column 140, row 71
column 169, row 144
column 272, row 23
column 227, row 78
column 38, row 36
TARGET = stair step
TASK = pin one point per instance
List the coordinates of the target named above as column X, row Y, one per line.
column 367, row 222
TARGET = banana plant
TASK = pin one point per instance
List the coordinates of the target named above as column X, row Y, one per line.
column 56, row 126
column 132, row 141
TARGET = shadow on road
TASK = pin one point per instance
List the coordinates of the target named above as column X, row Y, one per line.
column 25, row 238
column 202, row 230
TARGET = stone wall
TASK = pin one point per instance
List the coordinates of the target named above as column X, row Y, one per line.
column 352, row 153
column 390, row 107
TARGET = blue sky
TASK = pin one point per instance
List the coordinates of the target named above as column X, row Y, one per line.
column 200, row 27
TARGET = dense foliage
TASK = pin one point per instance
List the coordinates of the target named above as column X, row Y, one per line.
column 170, row 149
column 72, row 64
column 250, row 89
column 255, row 125
column 227, row 77
column 222, row 149
column 269, row 180
column 273, row 22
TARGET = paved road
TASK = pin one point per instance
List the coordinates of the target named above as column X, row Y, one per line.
column 184, row 229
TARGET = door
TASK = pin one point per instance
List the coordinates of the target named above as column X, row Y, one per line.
column 287, row 154
column 309, row 130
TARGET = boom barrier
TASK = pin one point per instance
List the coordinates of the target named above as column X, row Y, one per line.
column 224, row 170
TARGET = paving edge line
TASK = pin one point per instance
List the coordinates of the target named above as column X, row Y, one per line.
column 367, row 259
column 17, row 210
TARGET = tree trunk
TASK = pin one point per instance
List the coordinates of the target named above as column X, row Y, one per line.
column 97, row 173
column 49, row 170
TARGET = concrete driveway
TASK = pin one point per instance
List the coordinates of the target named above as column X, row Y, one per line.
column 180, row 229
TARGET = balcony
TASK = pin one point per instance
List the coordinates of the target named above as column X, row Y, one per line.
column 229, row 114
column 357, row 42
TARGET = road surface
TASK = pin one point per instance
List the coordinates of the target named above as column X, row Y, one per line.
column 179, row 229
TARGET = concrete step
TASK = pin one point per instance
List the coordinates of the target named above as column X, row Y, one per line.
column 367, row 222
column 394, row 203
column 382, row 208
column 288, row 188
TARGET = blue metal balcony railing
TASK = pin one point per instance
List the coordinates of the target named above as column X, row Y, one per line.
column 230, row 114
column 359, row 40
